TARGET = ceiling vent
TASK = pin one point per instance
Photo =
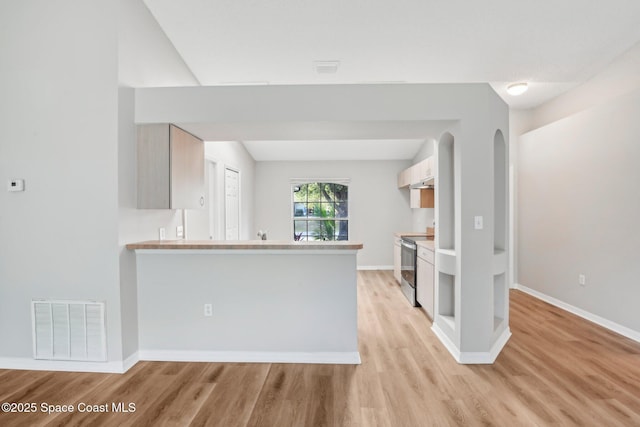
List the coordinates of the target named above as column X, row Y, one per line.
column 326, row 67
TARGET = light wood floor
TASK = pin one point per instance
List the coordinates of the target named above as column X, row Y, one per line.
column 557, row 369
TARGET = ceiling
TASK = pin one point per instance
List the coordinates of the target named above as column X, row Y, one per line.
column 554, row 45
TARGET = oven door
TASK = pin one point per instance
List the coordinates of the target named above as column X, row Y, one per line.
column 408, row 270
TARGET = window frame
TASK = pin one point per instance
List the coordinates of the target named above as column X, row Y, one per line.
column 302, row 181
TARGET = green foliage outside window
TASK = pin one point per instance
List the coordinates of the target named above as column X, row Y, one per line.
column 320, row 211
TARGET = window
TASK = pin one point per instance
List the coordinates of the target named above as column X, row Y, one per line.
column 320, row 211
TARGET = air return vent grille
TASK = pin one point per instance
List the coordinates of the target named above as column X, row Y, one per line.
column 69, row 330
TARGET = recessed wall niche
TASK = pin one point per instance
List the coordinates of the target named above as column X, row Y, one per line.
column 500, row 194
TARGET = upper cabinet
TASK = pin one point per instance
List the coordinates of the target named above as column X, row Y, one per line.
column 417, row 173
column 422, row 171
column 421, row 195
column 170, row 168
column 405, row 177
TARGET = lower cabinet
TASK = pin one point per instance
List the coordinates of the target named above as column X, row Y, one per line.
column 425, row 279
column 397, row 255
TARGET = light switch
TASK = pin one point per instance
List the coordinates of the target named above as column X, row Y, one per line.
column 478, row 223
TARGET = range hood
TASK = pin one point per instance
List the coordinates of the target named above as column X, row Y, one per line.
column 425, row 183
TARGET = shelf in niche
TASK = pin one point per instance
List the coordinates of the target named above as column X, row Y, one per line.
column 446, row 261
column 448, row 252
column 499, row 261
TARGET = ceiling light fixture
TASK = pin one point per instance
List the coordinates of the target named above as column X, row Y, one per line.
column 326, row 67
column 515, row 89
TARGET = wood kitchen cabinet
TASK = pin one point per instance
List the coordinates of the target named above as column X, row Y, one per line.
column 422, row 198
column 425, row 169
column 405, row 177
column 170, row 168
column 425, row 280
column 422, row 170
column 416, row 173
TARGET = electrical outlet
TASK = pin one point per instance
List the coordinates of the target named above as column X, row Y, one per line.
column 208, row 310
column 161, row 233
column 582, row 279
column 179, row 232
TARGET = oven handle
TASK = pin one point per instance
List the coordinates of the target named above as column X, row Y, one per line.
column 409, row 245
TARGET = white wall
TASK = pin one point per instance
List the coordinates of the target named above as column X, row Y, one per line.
column 377, row 208
column 62, row 114
column 58, row 113
column 134, row 224
column 224, row 154
column 266, row 305
column 520, row 121
column 146, row 56
column 619, row 78
column 576, row 206
column 579, row 209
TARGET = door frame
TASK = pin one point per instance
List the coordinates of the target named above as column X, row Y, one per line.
column 236, row 170
column 214, row 190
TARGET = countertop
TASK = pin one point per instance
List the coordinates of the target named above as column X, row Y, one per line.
column 409, row 234
column 244, row 244
column 428, row 244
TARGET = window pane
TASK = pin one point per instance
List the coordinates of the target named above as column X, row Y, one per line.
column 327, row 210
column 314, row 210
column 313, row 192
column 328, row 229
column 322, row 230
column 342, row 210
column 300, row 209
column 342, row 230
column 341, row 192
column 300, row 230
column 314, row 230
column 301, row 194
column 327, row 190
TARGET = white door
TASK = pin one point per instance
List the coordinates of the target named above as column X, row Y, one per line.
column 232, row 204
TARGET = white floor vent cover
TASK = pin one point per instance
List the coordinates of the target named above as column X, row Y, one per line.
column 69, row 330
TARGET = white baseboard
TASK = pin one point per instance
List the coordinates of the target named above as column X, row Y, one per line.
column 375, row 267
column 469, row 357
column 339, row 358
column 446, row 341
column 605, row 323
column 29, row 364
column 26, row 363
column 497, row 346
column 130, row 361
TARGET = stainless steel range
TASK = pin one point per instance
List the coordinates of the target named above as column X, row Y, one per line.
column 409, row 255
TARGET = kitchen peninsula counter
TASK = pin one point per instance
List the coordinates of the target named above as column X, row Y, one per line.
column 247, row 301
column 244, row 244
